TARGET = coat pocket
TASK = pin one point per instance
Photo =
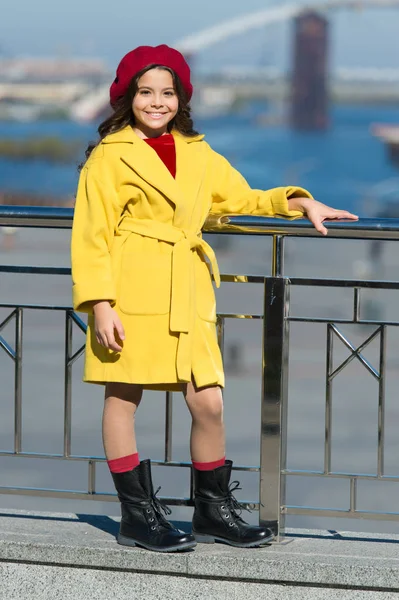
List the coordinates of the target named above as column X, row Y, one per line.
column 145, row 285
column 205, row 295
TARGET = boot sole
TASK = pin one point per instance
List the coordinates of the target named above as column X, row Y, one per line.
column 211, row 539
column 125, row 541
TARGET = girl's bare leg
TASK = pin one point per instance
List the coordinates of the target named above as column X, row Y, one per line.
column 141, row 523
column 215, row 516
column 121, row 403
column 207, row 441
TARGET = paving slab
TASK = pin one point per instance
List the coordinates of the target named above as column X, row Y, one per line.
column 332, row 559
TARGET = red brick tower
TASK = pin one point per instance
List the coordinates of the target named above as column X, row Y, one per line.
column 309, row 93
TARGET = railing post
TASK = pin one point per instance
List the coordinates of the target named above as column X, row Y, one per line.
column 273, row 451
column 278, row 255
column 18, row 381
column 168, row 426
column 68, row 385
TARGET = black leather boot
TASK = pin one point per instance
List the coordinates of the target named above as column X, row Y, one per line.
column 217, row 512
column 142, row 521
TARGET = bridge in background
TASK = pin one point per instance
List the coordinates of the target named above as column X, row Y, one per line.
column 206, row 38
column 307, row 86
column 213, row 93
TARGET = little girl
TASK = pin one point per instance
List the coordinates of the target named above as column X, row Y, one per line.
column 142, row 272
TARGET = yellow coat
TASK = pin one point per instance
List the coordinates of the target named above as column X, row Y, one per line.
column 136, row 241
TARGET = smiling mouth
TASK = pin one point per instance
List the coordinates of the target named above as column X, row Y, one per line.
column 155, row 115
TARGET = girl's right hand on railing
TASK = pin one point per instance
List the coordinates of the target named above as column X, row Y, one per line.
column 106, row 323
column 317, row 212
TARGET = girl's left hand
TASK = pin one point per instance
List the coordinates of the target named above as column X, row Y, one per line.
column 317, row 212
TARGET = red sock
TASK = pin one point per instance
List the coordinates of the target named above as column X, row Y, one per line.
column 209, row 466
column 123, row 464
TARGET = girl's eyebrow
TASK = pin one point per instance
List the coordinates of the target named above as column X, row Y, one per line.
column 147, row 87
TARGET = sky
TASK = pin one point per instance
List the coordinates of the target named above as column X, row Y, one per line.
column 366, row 38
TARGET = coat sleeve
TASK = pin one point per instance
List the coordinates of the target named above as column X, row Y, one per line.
column 95, row 218
column 232, row 194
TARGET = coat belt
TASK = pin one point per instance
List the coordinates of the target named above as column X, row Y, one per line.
column 184, row 241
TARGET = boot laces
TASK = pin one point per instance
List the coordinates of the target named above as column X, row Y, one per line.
column 235, row 506
column 160, row 507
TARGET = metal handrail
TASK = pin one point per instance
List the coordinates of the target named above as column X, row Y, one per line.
column 276, row 318
column 57, row 217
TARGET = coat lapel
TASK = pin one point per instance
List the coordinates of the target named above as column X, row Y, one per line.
column 143, row 159
column 190, row 168
column 183, row 190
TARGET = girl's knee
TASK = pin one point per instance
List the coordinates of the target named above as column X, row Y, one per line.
column 207, row 405
column 123, row 393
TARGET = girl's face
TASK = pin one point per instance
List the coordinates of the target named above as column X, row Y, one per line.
column 155, row 103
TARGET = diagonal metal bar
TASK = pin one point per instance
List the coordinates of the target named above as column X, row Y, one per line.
column 7, row 348
column 349, row 345
column 356, row 352
column 75, row 356
column 76, row 319
column 364, row 361
column 8, row 319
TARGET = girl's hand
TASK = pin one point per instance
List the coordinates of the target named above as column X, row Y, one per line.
column 317, row 212
column 106, row 322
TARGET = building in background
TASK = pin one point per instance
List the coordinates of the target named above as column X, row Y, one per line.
column 32, row 88
column 309, row 101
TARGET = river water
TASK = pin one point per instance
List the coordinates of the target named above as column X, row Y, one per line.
column 342, row 166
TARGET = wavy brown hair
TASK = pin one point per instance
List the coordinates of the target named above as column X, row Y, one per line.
column 123, row 114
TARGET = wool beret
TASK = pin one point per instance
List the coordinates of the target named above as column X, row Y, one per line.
column 143, row 56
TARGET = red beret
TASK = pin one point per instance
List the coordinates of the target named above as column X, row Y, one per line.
column 142, row 57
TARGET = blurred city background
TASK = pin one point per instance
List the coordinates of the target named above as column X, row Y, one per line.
column 303, row 93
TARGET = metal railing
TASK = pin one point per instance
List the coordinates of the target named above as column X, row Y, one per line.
column 276, row 319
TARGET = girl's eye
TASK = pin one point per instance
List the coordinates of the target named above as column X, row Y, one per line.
column 169, row 93
column 144, row 92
